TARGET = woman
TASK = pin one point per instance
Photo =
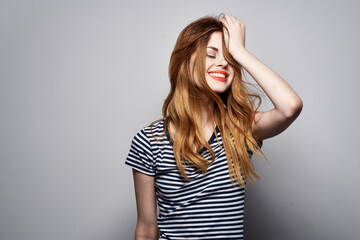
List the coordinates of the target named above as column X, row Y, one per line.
column 195, row 161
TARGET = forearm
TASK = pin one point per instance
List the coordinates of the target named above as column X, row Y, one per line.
column 146, row 237
column 277, row 89
column 146, row 232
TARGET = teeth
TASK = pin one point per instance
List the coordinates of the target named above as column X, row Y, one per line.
column 217, row 75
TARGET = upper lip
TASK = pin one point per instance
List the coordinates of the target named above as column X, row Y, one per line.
column 221, row 72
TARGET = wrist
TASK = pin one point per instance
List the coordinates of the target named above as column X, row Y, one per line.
column 239, row 54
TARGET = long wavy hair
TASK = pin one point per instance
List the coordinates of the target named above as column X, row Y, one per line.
column 234, row 109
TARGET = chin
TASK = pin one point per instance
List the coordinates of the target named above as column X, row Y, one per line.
column 219, row 89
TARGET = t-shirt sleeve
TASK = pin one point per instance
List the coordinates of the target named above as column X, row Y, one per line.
column 140, row 156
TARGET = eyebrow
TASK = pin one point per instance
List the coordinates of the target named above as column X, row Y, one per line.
column 213, row 48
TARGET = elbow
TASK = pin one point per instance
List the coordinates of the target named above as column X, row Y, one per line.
column 295, row 108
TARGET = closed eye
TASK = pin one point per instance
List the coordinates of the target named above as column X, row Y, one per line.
column 210, row 56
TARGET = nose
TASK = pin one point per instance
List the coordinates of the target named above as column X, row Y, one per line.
column 222, row 62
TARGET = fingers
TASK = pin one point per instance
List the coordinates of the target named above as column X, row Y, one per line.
column 234, row 29
column 226, row 37
column 228, row 19
column 224, row 21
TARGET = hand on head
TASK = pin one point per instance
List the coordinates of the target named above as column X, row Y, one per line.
column 234, row 33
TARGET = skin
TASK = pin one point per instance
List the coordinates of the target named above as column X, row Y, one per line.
column 267, row 124
column 146, row 227
column 287, row 104
column 215, row 61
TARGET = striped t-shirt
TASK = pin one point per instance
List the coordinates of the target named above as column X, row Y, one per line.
column 207, row 207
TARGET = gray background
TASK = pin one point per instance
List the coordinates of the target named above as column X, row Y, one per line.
column 78, row 79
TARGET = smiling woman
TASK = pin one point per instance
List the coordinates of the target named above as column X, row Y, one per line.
column 216, row 67
column 195, row 161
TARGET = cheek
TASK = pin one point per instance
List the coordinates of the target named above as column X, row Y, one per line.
column 209, row 63
column 232, row 73
column 207, row 67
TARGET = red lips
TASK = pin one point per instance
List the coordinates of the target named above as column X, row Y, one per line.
column 221, row 79
column 220, row 71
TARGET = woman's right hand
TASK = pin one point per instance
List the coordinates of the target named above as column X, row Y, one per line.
column 234, row 36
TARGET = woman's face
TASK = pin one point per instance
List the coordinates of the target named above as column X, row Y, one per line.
column 218, row 73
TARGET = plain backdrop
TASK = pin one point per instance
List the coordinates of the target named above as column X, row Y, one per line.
column 78, row 79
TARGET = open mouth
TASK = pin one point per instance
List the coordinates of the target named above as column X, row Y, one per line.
column 221, row 76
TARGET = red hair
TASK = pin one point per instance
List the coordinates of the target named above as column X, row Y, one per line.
column 234, row 110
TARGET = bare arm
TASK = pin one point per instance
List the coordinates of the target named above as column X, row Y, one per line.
column 146, row 227
column 287, row 104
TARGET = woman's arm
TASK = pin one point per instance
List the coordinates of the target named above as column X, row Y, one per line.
column 146, row 227
column 288, row 104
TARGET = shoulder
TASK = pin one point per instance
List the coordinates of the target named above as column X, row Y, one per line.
column 142, row 153
column 151, row 132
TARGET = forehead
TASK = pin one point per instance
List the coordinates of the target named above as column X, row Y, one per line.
column 215, row 40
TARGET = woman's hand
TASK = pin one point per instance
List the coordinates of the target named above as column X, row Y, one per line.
column 235, row 37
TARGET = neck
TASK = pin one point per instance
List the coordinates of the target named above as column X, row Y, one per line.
column 207, row 113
